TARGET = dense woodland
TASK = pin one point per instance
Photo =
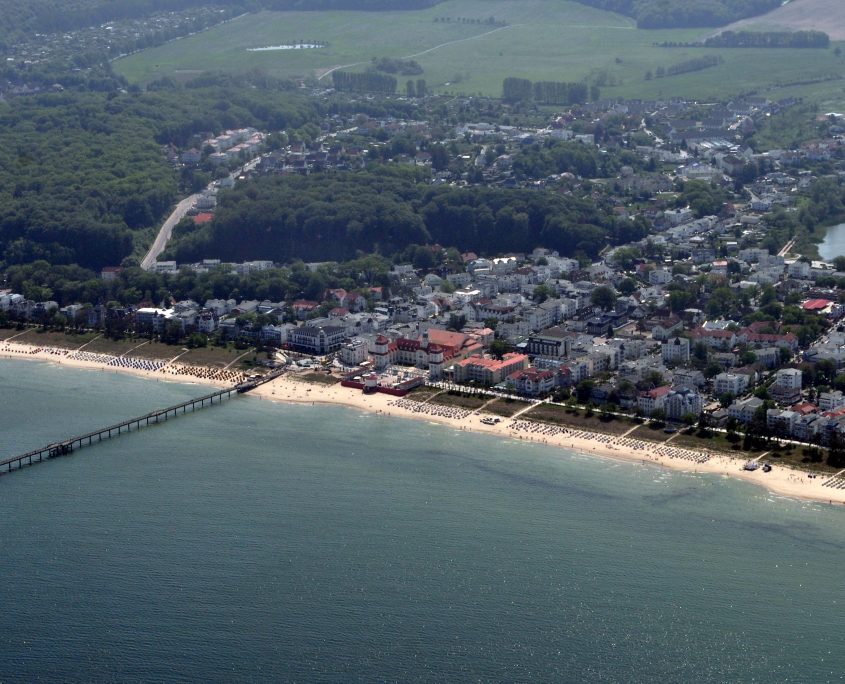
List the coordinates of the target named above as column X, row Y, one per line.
column 685, row 13
column 334, row 217
column 82, row 173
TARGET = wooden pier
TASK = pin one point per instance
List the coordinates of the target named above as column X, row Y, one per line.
column 68, row 446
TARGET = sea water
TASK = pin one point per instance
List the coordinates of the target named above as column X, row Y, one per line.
column 255, row 541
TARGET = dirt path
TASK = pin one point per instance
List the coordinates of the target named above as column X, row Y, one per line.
column 322, row 75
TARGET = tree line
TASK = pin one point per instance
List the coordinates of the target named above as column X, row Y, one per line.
column 684, row 13
column 757, row 39
column 547, row 92
column 366, row 82
column 687, row 66
column 769, row 39
column 41, row 281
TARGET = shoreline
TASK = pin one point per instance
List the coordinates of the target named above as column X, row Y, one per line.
column 781, row 480
column 157, row 369
column 287, row 389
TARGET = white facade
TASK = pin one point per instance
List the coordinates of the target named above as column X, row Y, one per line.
column 730, row 383
column 676, row 350
column 680, row 402
column 830, row 401
column 788, row 380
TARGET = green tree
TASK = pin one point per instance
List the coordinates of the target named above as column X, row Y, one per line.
column 603, row 297
column 499, row 348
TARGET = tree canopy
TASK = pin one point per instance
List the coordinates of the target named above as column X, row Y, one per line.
column 385, row 210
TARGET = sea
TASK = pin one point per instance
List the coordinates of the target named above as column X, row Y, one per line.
column 262, row 542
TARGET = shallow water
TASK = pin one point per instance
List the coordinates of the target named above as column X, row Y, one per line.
column 833, row 244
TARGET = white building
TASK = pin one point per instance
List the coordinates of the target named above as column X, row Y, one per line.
column 355, row 352
column 660, row 276
column 682, row 401
column 787, row 386
column 653, row 400
column 743, row 410
column 830, row 401
column 730, row 383
column 676, row 350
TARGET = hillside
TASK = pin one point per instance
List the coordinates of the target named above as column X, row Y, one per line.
column 461, row 52
column 801, row 15
column 684, row 13
column 43, row 16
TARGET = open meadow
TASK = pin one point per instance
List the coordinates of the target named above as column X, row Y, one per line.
column 462, row 51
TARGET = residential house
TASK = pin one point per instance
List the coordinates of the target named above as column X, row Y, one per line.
column 653, row 400
column 676, row 350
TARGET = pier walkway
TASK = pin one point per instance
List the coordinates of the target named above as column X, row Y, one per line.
column 68, row 446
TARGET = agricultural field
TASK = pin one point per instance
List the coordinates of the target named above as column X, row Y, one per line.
column 799, row 15
column 535, row 39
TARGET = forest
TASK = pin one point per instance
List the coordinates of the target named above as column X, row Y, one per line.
column 386, row 210
column 82, row 173
column 42, row 16
column 684, row 13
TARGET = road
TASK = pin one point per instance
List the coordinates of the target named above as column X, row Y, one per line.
column 789, row 245
column 179, row 213
column 166, row 229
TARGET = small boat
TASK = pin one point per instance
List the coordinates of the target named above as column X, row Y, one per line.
column 767, row 468
column 751, row 465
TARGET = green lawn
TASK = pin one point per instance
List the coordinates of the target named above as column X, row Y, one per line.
column 561, row 41
column 506, row 407
column 469, row 402
column 578, row 419
column 49, row 338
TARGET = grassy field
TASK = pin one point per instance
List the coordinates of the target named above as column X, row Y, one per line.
column 469, row 402
column 713, row 441
column 49, row 338
column 561, row 41
column 505, row 408
column 579, row 420
column 422, row 393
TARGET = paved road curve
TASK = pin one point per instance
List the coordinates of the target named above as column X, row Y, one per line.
column 179, row 213
column 166, row 229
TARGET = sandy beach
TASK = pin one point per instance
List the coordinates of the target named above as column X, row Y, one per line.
column 152, row 369
column 780, row 480
column 288, row 389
